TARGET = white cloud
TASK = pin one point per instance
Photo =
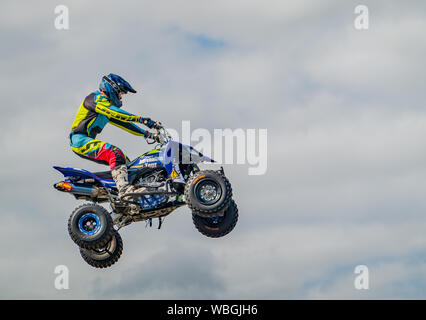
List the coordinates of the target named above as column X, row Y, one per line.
column 345, row 124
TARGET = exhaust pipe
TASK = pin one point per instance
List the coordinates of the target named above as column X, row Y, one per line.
column 74, row 189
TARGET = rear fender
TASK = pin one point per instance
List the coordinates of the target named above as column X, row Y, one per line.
column 76, row 173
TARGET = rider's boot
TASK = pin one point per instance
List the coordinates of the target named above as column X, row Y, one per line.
column 121, row 178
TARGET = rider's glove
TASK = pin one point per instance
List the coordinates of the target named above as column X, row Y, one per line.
column 153, row 136
column 147, row 121
column 157, row 125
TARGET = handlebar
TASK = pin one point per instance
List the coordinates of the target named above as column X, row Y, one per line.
column 157, row 125
column 164, row 136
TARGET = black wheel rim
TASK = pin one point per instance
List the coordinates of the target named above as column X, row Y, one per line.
column 106, row 252
column 208, row 192
column 214, row 222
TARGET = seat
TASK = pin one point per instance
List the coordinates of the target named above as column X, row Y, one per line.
column 104, row 175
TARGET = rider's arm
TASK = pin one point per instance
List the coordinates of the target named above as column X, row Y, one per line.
column 129, row 127
column 102, row 105
column 112, row 112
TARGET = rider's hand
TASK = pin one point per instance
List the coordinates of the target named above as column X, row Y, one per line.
column 147, row 121
column 157, row 125
column 153, row 136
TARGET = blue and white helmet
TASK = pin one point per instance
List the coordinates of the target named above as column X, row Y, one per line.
column 114, row 86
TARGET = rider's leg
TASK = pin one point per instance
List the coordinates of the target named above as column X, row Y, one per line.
column 97, row 150
column 121, row 178
column 105, row 153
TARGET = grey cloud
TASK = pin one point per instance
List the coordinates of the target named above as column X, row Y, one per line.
column 344, row 113
column 178, row 271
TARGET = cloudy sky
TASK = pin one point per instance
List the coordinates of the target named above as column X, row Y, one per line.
column 344, row 110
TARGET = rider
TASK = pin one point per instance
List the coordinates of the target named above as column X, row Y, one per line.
column 96, row 110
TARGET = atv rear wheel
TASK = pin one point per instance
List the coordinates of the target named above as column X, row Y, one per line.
column 90, row 226
column 208, row 193
column 219, row 226
column 104, row 257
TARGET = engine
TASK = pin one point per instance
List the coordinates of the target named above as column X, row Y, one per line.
column 153, row 182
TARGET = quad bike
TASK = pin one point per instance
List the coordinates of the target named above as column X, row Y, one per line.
column 171, row 178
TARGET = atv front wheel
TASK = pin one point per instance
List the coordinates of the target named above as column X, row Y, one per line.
column 104, row 257
column 208, row 193
column 90, row 226
column 219, row 226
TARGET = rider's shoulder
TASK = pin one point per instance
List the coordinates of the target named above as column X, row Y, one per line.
column 99, row 97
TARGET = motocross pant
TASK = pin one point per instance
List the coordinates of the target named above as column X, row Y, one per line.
column 96, row 150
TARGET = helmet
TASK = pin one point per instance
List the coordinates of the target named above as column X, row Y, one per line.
column 114, row 86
